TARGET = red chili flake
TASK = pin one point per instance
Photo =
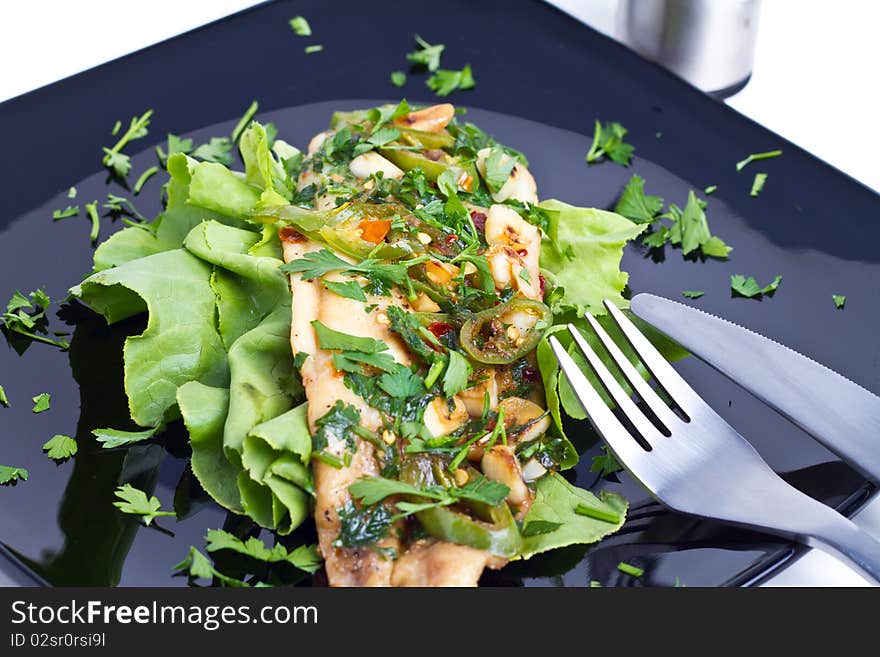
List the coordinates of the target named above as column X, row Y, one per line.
column 288, row 234
column 439, row 329
column 522, row 253
column 543, row 283
column 529, row 374
column 451, row 238
column 479, row 219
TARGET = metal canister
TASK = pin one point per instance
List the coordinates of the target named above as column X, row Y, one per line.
column 709, row 43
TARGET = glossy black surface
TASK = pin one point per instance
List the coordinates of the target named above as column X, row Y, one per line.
column 812, row 224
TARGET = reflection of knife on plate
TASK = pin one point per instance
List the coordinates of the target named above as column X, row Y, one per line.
column 840, row 414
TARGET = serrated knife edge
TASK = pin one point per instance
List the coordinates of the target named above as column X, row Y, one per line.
column 834, row 422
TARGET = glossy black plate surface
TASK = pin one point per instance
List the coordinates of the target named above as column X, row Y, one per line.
column 811, row 224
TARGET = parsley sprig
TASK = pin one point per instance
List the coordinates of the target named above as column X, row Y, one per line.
column 26, row 315
column 114, row 159
column 135, row 502
column 608, row 142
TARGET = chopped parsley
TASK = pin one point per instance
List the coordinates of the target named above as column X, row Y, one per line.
column 401, row 383
column 605, row 463
column 444, row 82
column 758, row 184
column 144, row 177
column 710, row 189
column 135, row 502
column 407, row 326
column 60, row 448
column 300, row 26
column 330, row 340
column 352, row 361
column 321, row 262
column 4, row 400
column 111, row 438
column 455, row 378
column 114, row 159
column 26, row 315
column 637, row 206
column 754, row 157
column 174, row 145
column 372, row 490
column 539, row 527
column 629, row 569
column 398, row 78
column 313, row 48
column 304, row 557
column 839, row 303
column 361, row 527
column 749, row 287
column 41, row 402
column 218, row 149
column 427, row 55
column 197, row 566
column 339, row 422
column 69, row 211
column 498, row 167
column 117, row 205
column 9, row 475
column 692, row 294
column 244, row 121
column 347, row 289
column 608, row 142
column 690, row 229
column 92, row 212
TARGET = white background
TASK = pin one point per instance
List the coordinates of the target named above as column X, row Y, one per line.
column 815, row 82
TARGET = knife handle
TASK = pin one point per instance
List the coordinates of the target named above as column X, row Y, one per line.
column 842, row 538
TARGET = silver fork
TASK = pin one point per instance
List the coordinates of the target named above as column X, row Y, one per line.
column 699, row 464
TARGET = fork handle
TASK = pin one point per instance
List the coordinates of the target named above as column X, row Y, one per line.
column 845, row 540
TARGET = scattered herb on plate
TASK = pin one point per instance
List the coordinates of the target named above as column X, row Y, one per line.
column 135, row 502
column 629, row 569
column 300, row 26
column 749, row 287
column 754, row 157
column 427, row 55
column 114, row 159
column 41, row 402
column 60, row 447
column 444, row 82
column 692, row 294
column 10, row 475
column 758, row 184
column 839, row 300
column 608, row 142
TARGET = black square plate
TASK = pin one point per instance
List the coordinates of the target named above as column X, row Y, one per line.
column 812, row 224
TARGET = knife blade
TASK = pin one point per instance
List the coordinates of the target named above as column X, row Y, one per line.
column 838, row 413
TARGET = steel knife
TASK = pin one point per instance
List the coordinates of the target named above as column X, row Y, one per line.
column 840, row 414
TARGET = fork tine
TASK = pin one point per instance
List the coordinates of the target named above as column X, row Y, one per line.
column 675, row 386
column 645, row 391
column 621, row 442
column 626, row 405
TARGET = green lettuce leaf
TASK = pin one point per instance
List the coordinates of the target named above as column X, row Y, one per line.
column 554, row 509
column 247, row 287
column 261, row 168
column 212, row 186
column 584, row 254
column 180, row 343
column 204, row 410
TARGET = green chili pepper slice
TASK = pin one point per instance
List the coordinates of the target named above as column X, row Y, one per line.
column 497, row 533
column 487, row 337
